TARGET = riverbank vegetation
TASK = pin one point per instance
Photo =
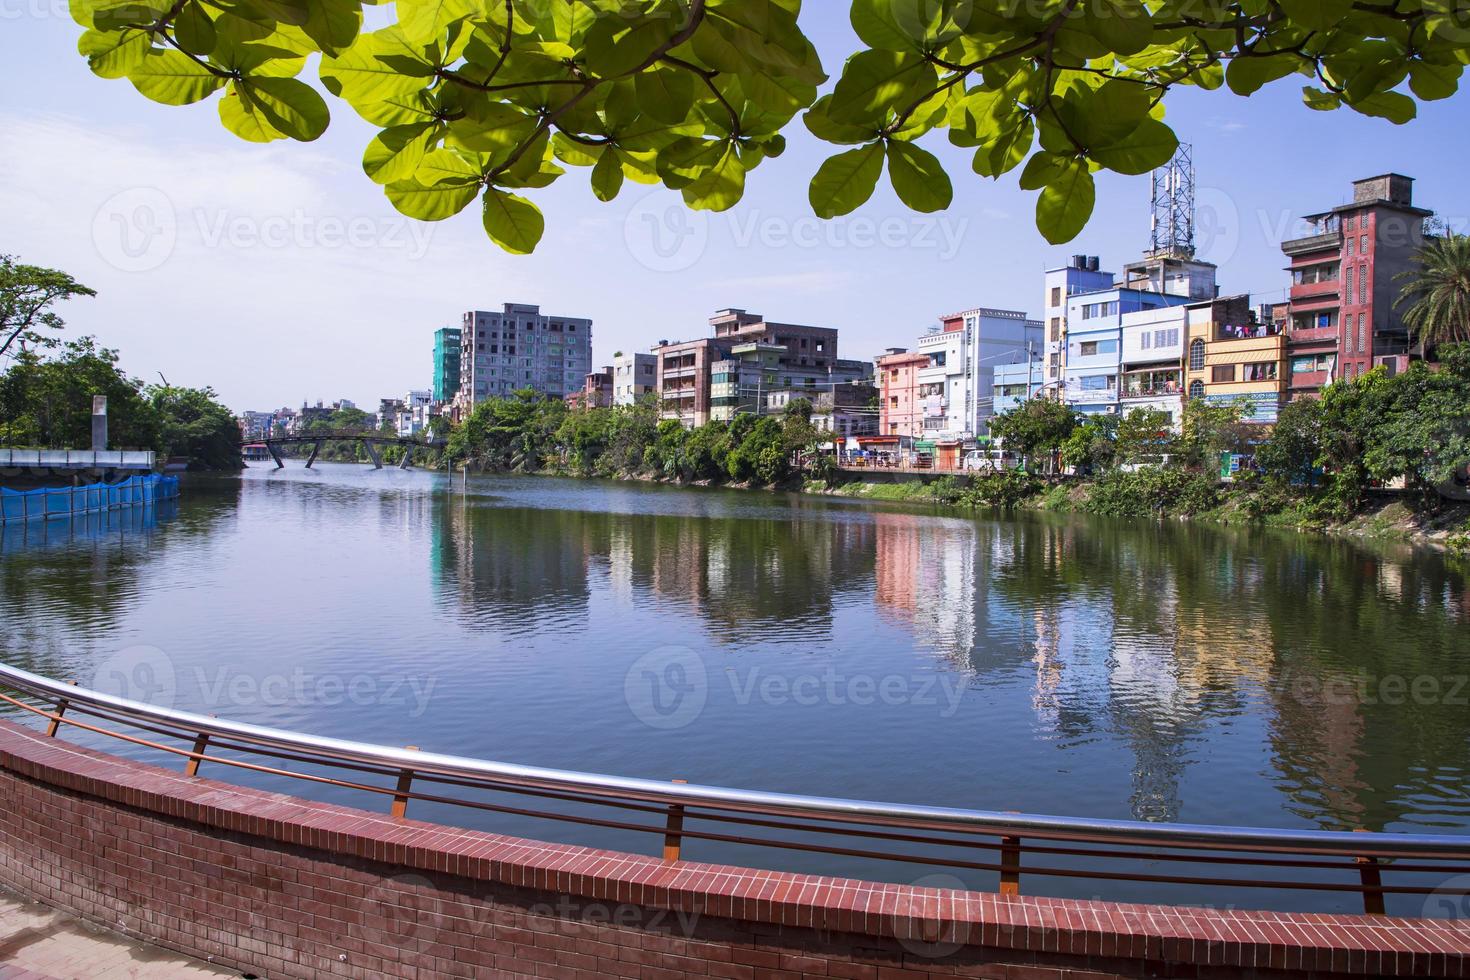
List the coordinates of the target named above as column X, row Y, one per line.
column 1322, row 464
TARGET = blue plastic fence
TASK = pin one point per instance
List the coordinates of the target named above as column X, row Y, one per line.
column 60, row 502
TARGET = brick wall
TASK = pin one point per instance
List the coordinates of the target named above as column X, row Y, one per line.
column 285, row 887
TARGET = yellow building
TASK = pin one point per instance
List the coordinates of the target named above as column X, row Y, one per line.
column 1232, row 359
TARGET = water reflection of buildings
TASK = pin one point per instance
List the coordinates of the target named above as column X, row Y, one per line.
column 510, row 568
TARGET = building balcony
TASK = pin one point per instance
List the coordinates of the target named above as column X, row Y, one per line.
column 1307, row 292
column 1312, row 335
column 1313, row 243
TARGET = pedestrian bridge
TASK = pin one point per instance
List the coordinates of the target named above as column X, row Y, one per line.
column 370, row 441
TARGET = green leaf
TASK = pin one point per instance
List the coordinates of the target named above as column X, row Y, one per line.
column 718, row 187
column 1003, row 150
column 615, row 48
column 194, row 30
column 396, row 152
column 819, row 121
column 1042, row 169
column 430, row 203
column 1245, row 76
column 666, row 94
column 114, row 54
column 1431, row 82
column 875, row 82
column 173, row 78
column 607, row 176
column 1123, row 25
column 918, row 178
column 291, row 106
column 1317, row 99
column 513, row 223
column 1396, row 107
column 425, row 20
column 1149, row 146
column 878, row 27
column 1317, row 15
column 1066, row 203
column 845, row 182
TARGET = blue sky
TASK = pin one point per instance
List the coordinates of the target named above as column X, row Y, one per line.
column 280, row 273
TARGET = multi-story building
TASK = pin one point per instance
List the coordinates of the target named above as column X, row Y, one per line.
column 956, row 386
column 634, row 375
column 1152, row 362
column 718, row 377
column 1234, row 359
column 1342, row 316
column 388, row 409
column 1082, row 274
column 255, row 425
column 447, row 352
column 1016, row 383
column 900, row 410
column 520, row 347
column 846, row 411
column 413, row 417
column 1094, row 358
column 597, row 390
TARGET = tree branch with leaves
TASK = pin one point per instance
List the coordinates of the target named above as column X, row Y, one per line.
column 484, row 99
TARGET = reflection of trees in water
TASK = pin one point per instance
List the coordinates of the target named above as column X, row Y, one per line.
column 1203, row 621
column 748, row 578
column 84, row 572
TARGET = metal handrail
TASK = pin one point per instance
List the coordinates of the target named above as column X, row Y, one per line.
column 673, row 798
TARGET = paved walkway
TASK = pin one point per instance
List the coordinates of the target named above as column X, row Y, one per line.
column 39, row 943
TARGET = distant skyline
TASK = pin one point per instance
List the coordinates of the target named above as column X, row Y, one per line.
column 279, row 273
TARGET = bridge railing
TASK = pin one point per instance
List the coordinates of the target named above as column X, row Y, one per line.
column 1014, row 846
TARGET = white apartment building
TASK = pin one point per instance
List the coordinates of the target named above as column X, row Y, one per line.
column 1082, row 274
column 413, row 414
column 634, row 375
column 521, row 347
column 956, row 389
column 1153, row 361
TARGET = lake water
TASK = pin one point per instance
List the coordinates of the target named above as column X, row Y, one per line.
column 823, row 646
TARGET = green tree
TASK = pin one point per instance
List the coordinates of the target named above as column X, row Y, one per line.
column 481, row 101
column 1435, row 297
column 192, row 423
column 1295, row 448
column 1207, row 431
column 1038, row 425
column 47, row 401
column 1143, row 435
column 1093, row 445
column 27, row 293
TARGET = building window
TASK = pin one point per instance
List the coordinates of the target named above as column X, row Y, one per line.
column 1363, row 284
column 1056, row 296
column 1087, row 348
column 1363, row 244
column 1056, row 328
column 1362, row 334
column 1196, row 355
column 1347, row 294
column 1350, row 243
column 1196, row 389
column 1308, row 274
column 1222, row 373
column 1260, row 371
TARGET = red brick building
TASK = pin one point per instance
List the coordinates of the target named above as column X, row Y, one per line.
column 1341, row 316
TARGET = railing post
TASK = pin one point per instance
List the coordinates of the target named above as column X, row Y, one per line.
column 1369, row 871
column 191, row 768
column 674, row 830
column 400, row 796
column 54, row 725
column 1010, row 865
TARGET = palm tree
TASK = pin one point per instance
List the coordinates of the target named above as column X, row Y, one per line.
column 1436, row 295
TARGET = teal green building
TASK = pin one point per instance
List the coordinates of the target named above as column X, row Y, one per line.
column 446, row 363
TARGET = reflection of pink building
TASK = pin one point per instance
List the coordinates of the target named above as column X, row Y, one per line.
column 900, row 413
